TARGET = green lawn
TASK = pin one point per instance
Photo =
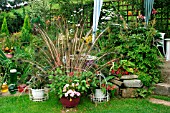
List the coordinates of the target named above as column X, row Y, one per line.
column 24, row 105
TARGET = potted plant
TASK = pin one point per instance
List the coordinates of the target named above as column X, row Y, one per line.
column 71, row 95
column 101, row 91
column 37, row 88
column 69, row 86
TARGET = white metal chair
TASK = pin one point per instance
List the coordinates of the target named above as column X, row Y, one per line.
column 161, row 42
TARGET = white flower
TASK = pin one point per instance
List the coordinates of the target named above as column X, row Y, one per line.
column 66, row 85
column 64, row 89
column 70, row 91
column 108, row 18
column 72, row 94
column 80, row 10
column 77, row 25
column 77, row 84
column 72, row 84
column 66, row 94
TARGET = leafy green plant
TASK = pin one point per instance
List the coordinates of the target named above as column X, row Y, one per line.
column 144, row 92
column 123, row 67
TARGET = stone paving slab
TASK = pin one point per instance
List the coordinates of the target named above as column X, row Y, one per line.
column 16, row 94
column 158, row 101
column 162, row 89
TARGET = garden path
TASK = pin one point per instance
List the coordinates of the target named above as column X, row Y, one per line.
column 158, row 101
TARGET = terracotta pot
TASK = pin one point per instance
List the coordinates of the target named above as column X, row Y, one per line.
column 69, row 103
column 9, row 55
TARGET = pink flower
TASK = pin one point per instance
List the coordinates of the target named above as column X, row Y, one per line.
column 141, row 16
column 71, row 73
column 77, row 93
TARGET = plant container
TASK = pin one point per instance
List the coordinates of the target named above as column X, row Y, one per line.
column 69, row 102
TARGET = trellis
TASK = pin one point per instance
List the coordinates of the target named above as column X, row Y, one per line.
column 130, row 11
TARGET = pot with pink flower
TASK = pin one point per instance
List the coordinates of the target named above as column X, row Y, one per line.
column 69, row 86
column 71, row 97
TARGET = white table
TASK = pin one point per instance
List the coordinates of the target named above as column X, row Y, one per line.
column 167, row 49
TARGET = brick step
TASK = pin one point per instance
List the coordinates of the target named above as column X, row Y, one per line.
column 162, row 89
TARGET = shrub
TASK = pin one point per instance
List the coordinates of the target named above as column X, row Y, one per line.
column 26, row 30
column 4, row 28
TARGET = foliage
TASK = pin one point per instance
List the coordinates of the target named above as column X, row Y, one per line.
column 27, row 24
column 4, row 28
column 123, row 67
column 14, row 21
column 40, row 11
column 144, row 92
column 38, row 81
column 81, row 82
column 135, row 43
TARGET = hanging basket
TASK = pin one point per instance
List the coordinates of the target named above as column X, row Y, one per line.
column 38, row 94
column 99, row 96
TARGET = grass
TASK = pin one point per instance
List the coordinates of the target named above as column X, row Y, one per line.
column 22, row 104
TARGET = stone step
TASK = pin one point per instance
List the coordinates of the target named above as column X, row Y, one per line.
column 165, row 75
column 166, row 65
column 135, row 83
column 165, row 70
column 162, row 89
column 128, row 77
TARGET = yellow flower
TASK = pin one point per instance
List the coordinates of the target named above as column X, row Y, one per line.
column 88, row 39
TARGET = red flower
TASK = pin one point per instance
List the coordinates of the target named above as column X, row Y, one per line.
column 71, row 73
column 126, row 73
column 112, row 71
column 108, row 87
column 154, row 11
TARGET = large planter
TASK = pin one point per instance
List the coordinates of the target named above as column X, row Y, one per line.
column 69, row 103
column 37, row 93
